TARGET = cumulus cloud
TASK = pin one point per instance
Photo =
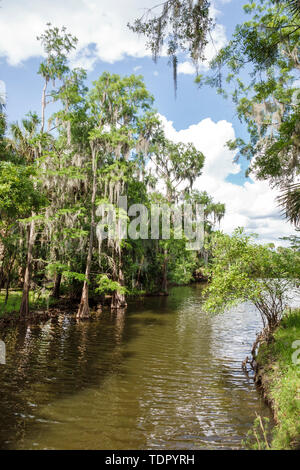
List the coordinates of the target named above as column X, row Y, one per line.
column 251, row 205
column 210, row 138
column 102, row 24
column 186, row 68
column 99, row 25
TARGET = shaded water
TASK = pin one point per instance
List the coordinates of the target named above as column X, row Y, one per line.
column 162, row 376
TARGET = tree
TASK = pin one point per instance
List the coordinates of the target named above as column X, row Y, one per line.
column 18, row 198
column 294, row 6
column 181, row 26
column 290, row 200
column 57, row 45
column 267, row 46
column 52, row 185
column 25, row 145
column 213, row 213
column 117, row 107
column 175, row 164
column 265, row 51
column 243, row 270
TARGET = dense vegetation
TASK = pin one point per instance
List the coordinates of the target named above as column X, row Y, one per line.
column 243, row 270
column 280, row 375
column 258, row 68
column 100, row 144
column 261, row 65
column 59, row 172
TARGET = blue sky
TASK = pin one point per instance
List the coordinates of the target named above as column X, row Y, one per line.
column 105, row 43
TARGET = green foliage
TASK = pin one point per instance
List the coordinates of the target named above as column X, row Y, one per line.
column 97, row 149
column 262, row 63
column 57, row 44
column 246, row 271
column 70, row 275
column 107, row 286
column 258, row 437
column 12, row 305
column 176, row 164
column 39, row 299
column 181, row 26
column 281, row 378
column 182, row 264
column 18, row 196
column 290, row 200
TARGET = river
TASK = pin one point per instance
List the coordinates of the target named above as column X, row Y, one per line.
column 164, row 375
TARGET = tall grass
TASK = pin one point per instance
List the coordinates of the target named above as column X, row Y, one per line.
column 37, row 300
column 281, row 362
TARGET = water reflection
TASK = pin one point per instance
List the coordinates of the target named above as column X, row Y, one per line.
column 161, row 375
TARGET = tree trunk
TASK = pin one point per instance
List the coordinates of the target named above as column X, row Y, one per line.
column 44, row 105
column 69, row 135
column 140, row 272
column 7, row 289
column 56, row 287
column 164, row 286
column 24, row 309
column 84, row 309
column 8, row 279
column 118, row 300
column 2, row 278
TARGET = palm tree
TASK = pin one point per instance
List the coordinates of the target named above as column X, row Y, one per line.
column 2, row 96
column 22, row 138
column 23, row 145
column 290, row 202
column 213, row 213
column 294, row 6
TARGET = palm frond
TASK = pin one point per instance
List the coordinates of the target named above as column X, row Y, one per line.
column 294, row 6
column 290, row 202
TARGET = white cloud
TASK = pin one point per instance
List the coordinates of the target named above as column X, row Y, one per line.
column 210, row 138
column 251, row 205
column 137, row 68
column 186, row 68
column 100, row 23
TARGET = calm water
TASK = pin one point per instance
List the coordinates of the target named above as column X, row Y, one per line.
column 162, row 376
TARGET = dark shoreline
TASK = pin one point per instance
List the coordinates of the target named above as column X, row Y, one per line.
column 69, row 307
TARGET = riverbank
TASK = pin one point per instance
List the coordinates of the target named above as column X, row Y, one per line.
column 44, row 306
column 278, row 376
column 41, row 309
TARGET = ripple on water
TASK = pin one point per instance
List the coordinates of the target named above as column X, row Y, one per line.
column 163, row 376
